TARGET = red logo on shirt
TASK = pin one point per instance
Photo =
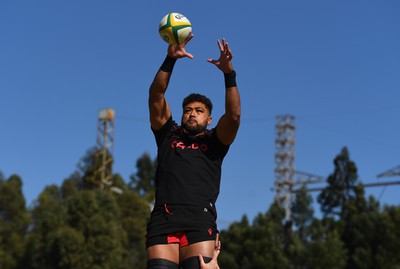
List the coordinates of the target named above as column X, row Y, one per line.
column 195, row 146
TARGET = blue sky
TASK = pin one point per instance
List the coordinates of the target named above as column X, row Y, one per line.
column 334, row 65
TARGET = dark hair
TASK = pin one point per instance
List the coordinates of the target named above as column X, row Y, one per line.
column 195, row 97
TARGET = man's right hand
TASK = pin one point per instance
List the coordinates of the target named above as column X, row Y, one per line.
column 179, row 51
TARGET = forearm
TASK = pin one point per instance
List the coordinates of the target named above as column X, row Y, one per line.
column 232, row 97
column 161, row 80
column 160, row 84
column 158, row 106
column 228, row 124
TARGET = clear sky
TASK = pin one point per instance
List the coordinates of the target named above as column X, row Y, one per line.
column 334, row 65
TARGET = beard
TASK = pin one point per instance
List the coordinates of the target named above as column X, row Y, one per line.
column 193, row 127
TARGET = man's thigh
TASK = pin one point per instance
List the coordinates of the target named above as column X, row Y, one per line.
column 205, row 248
column 166, row 251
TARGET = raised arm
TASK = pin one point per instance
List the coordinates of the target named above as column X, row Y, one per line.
column 228, row 124
column 158, row 105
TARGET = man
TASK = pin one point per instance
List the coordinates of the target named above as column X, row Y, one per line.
column 183, row 221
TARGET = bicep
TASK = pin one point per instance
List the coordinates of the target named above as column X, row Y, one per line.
column 159, row 110
column 227, row 130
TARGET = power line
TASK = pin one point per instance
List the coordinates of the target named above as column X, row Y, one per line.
column 341, row 112
column 132, row 118
column 368, row 185
column 351, row 135
column 337, row 113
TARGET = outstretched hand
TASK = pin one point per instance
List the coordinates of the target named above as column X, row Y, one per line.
column 213, row 264
column 179, row 51
column 224, row 62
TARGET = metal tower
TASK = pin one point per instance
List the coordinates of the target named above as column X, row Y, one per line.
column 284, row 162
column 286, row 176
column 104, row 149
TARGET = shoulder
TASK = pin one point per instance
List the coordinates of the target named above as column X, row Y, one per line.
column 169, row 127
column 212, row 135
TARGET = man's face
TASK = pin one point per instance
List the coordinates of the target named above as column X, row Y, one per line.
column 195, row 118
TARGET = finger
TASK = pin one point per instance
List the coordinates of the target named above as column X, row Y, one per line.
column 227, row 48
column 216, row 254
column 212, row 61
column 189, row 55
column 224, row 42
column 201, row 260
column 217, row 241
column 190, row 36
column 221, row 48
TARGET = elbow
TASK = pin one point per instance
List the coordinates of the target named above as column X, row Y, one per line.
column 237, row 120
column 235, row 117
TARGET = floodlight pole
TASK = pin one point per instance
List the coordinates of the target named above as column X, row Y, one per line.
column 104, row 149
column 285, row 173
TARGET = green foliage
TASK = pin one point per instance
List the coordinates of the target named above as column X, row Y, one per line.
column 136, row 213
column 14, row 221
column 354, row 232
column 326, row 251
column 256, row 246
column 144, row 179
column 303, row 213
column 387, row 238
column 81, row 226
column 77, row 225
column 340, row 185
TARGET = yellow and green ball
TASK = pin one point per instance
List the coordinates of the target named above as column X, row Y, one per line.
column 174, row 28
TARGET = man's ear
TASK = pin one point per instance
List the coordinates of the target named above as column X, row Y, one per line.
column 209, row 120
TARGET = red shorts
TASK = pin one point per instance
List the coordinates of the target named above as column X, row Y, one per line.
column 179, row 238
column 183, row 225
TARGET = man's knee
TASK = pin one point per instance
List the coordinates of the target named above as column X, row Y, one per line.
column 194, row 262
column 161, row 264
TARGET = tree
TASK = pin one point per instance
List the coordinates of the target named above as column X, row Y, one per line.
column 83, row 226
column 232, row 242
column 340, row 185
column 296, row 242
column 96, row 215
column 325, row 249
column 256, row 246
column 14, row 221
column 370, row 236
column 387, row 238
column 144, row 179
column 82, row 231
column 48, row 216
column 135, row 212
column 303, row 213
column 86, row 168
